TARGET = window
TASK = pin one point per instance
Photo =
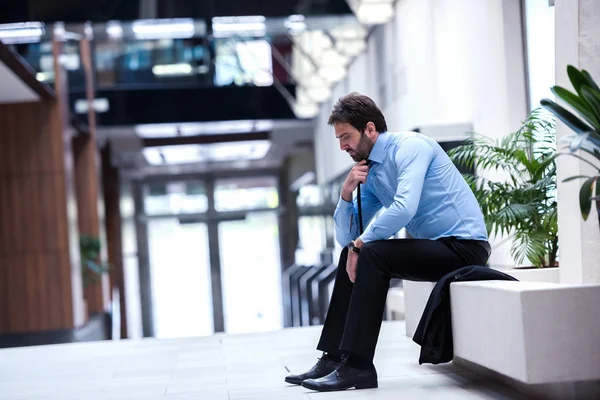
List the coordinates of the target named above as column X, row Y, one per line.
column 539, row 31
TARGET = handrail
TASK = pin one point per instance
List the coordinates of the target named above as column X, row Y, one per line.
column 19, row 66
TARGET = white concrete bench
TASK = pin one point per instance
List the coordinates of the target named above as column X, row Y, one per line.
column 416, row 294
column 542, row 338
column 395, row 304
column 534, row 333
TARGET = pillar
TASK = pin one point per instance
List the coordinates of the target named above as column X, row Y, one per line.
column 87, row 178
column 578, row 44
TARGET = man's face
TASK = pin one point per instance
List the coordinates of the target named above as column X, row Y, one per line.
column 358, row 145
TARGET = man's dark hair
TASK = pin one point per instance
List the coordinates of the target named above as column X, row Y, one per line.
column 357, row 110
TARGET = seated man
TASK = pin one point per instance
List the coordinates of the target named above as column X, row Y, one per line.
column 412, row 176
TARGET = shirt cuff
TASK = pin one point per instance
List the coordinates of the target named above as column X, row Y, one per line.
column 368, row 236
column 344, row 203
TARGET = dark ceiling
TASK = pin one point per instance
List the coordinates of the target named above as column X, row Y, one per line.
column 104, row 10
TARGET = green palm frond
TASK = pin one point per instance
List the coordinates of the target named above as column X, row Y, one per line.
column 523, row 204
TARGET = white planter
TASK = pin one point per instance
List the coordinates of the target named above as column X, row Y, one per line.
column 547, row 275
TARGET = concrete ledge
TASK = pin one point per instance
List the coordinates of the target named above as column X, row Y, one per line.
column 395, row 304
column 416, row 295
column 535, row 333
column 550, row 275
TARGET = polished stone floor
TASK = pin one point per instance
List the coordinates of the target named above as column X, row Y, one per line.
column 224, row 367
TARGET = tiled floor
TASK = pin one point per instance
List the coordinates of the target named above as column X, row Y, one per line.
column 223, row 367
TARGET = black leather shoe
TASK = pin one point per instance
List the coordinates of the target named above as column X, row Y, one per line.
column 323, row 367
column 344, row 377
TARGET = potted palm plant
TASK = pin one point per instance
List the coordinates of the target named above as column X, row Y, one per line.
column 586, row 127
column 524, row 204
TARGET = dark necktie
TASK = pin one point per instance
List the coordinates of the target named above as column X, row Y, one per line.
column 360, row 220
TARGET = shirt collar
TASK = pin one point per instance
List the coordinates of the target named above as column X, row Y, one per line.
column 378, row 152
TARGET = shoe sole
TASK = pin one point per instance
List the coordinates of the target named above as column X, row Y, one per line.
column 366, row 385
column 293, row 381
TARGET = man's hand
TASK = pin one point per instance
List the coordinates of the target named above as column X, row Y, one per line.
column 358, row 174
column 351, row 263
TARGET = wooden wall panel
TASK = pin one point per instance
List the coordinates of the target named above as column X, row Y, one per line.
column 87, row 183
column 35, row 265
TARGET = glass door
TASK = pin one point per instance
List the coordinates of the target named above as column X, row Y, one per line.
column 251, row 273
column 178, row 250
column 180, row 278
column 249, row 254
column 224, row 233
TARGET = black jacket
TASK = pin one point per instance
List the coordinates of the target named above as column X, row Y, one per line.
column 434, row 333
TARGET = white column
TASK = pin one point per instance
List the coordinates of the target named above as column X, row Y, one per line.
column 578, row 44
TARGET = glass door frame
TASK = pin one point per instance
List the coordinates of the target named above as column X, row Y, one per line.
column 211, row 218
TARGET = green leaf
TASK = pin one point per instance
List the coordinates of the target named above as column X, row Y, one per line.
column 589, row 79
column 595, row 153
column 581, row 158
column 578, row 103
column 572, row 178
column 592, row 97
column 565, row 116
column 577, row 78
column 585, row 194
column 530, row 245
column 578, row 141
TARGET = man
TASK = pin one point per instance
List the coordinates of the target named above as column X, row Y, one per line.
column 422, row 190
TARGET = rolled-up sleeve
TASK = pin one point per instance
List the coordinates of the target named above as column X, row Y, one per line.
column 412, row 159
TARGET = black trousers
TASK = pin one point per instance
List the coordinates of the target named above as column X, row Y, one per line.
column 356, row 310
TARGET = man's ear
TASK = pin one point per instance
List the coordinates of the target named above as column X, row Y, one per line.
column 370, row 129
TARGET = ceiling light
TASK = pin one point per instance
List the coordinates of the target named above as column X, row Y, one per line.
column 332, row 74
column 217, row 152
column 114, row 29
column 229, row 26
column 100, row 105
column 249, row 150
column 23, row 32
column 295, row 24
column 172, row 69
column 152, row 156
column 306, row 110
column 331, row 57
column 319, row 93
column 348, row 32
column 179, row 28
column 351, row 48
column 372, row 12
column 203, row 128
column 173, row 154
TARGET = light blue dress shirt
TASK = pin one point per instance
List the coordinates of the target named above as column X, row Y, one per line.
column 413, row 177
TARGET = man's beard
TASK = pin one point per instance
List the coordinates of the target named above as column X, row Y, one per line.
column 363, row 150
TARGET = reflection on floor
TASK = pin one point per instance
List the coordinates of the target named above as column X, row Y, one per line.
column 223, row 367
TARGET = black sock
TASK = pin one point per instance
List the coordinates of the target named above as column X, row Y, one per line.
column 334, row 357
column 359, row 362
